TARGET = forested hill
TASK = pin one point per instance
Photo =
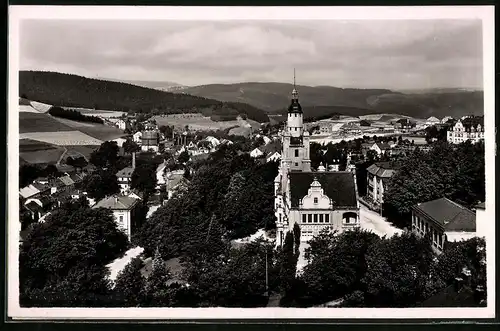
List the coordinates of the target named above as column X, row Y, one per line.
column 275, row 97
column 76, row 91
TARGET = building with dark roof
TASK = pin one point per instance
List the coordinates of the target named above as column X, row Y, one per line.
column 468, row 128
column 125, row 210
column 378, row 175
column 124, row 177
column 443, row 221
column 313, row 200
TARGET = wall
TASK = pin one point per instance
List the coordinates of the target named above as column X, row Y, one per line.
column 421, row 225
column 125, row 224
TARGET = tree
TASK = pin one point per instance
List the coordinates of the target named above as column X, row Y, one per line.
column 144, row 179
column 27, row 174
column 157, row 289
column 288, row 264
column 130, row 285
column 296, row 239
column 100, row 184
column 130, row 146
column 337, row 264
column 63, row 261
column 398, row 271
column 183, row 157
column 106, row 155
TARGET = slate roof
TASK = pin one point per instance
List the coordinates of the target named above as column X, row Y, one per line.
column 28, row 191
column 383, row 146
column 448, row 214
column 66, row 180
column 33, row 206
column 382, row 169
column 338, row 186
column 473, row 122
column 117, row 202
column 125, row 172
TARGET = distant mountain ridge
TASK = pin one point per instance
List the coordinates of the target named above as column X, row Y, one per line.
column 158, row 85
column 275, row 97
column 68, row 90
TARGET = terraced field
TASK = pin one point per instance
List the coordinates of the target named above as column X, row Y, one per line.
column 62, row 138
column 39, row 122
column 37, row 152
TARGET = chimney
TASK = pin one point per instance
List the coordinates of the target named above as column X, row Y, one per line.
column 133, row 160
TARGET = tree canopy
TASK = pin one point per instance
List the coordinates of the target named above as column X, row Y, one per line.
column 62, row 261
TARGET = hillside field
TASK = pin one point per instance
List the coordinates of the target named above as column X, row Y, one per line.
column 195, row 121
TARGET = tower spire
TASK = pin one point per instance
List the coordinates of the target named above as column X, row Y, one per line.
column 294, row 92
column 294, row 78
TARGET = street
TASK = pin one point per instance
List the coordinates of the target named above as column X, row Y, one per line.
column 372, row 221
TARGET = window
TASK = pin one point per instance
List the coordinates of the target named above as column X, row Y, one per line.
column 315, row 200
column 309, row 218
column 321, row 218
column 304, row 216
column 121, row 219
column 327, row 218
column 296, row 153
column 347, row 220
column 315, row 218
column 296, row 164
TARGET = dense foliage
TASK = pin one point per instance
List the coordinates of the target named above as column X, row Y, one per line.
column 361, row 269
column 456, row 172
column 76, row 91
column 74, row 115
column 100, row 184
column 215, row 198
column 62, row 261
column 29, row 172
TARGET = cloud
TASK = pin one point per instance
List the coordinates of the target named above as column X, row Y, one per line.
column 388, row 53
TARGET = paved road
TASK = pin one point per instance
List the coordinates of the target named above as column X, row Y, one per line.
column 372, row 221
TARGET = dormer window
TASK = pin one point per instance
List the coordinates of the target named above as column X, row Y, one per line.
column 315, row 200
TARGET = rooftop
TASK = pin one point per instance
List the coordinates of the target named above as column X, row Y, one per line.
column 382, row 169
column 125, row 172
column 338, row 186
column 450, row 215
column 117, row 202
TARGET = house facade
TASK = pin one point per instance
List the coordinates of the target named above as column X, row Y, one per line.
column 377, row 177
column 443, row 221
column 125, row 212
column 314, row 200
column 124, row 177
column 469, row 128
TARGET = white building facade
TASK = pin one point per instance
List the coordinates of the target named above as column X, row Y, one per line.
column 468, row 128
column 313, row 200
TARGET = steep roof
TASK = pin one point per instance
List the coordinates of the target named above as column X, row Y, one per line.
column 383, row 146
column 338, row 186
column 66, row 180
column 117, row 202
column 472, row 122
column 448, row 214
column 28, row 191
column 382, row 169
column 125, row 172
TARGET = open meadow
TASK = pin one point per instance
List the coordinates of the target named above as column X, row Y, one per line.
column 196, row 122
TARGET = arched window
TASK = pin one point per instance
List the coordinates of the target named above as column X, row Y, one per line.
column 349, row 217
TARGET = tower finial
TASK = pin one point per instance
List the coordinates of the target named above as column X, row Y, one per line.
column 294, row 78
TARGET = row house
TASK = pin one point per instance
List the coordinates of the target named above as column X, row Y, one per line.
column 124, row 177
column 377, row 178
column 443, row 221
column 467, row 129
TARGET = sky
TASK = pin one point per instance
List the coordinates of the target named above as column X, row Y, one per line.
column 394, row 54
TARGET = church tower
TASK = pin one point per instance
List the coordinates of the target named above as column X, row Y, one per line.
column 295, row 139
